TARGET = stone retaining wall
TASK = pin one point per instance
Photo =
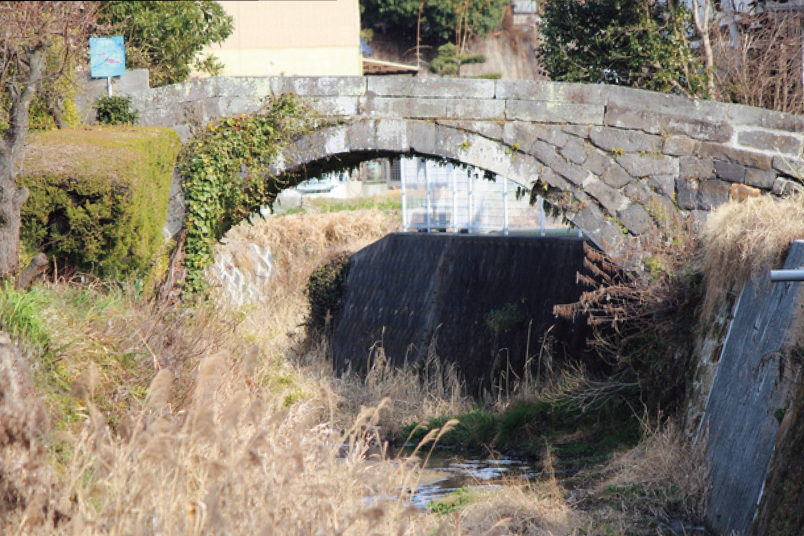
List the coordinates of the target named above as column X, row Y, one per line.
column 617, row 160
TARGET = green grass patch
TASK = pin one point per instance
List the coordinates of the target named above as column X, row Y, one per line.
column 577, row 438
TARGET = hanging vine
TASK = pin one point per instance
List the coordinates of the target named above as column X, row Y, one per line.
column 225, row 178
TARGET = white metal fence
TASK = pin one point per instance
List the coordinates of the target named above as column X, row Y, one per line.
column 442, row 197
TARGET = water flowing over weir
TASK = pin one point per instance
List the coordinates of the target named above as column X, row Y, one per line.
column 486, row 301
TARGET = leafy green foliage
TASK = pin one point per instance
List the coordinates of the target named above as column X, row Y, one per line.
column 116, row 111
column 449, row 60
column 325, row 290
column 166, row 37
column 504, row 319
column 106, row 212
column 223, row 172
column 640, row 43
column 441, row 19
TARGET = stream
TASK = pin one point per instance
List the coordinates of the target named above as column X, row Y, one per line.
column 449, row 471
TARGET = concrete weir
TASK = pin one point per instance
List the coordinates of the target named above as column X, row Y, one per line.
column 410, row 289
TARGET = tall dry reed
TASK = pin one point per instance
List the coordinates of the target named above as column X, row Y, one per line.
column 743, row 240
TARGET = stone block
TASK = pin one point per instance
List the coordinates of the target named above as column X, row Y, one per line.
column 362, row 135
column 243, row 86
column 664, row 184
column 630, row 141
column 336, row 141
column 687, row 194
column 693, row 167
column 483, row 109
column 736, row 156
column 230, row 106
column 647, row 165
column 525, row 169
column 576, row 130
column 610, row 198
column 739, row 114
column 615, row 176
column 784, row 187
column 789, row 166
column 552, row 134
column 335, row 106
column 554, row 112
column 759, row 178
column 488, row 129
column 771, row 141
column 635, row 218
column 679, row 146
column 484, row 153
column 638, row 192
column 575, row 151
column 556, row 181
column 451, row 88
column 392, row 135
column 713, row 193
column 729, row 172
column 591, row 220
column 319, row 86
column 667, row 104
column 700, row 129
column 622, row 116
column 403, row 107
column 451, row 143
column 422, row 137
column 389, row 86
column 521, row 132
column 551, row 92
column 597, row 161
column 547, row 155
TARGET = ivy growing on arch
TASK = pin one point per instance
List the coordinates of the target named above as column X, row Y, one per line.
column 224, row 174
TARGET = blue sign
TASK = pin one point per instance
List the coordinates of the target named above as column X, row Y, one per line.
column 107, row 56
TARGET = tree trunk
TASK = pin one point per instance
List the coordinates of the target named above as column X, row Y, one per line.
column 11, row 200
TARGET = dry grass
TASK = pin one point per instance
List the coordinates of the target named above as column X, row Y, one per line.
column 521, row 509
column 663, row 478
column 414, row 395
column 743, row 240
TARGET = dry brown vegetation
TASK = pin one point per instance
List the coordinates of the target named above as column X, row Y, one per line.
column 206, row 420
column 743, row 240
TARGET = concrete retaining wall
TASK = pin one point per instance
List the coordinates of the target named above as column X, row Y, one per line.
column 754, row 378
column 409, row 288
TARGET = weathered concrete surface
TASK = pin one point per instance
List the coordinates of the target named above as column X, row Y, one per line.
column 752, row 380
column 408, row 289
column 657, row 154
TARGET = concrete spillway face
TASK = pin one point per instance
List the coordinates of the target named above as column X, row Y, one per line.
column 409, row 290
column 750, row 384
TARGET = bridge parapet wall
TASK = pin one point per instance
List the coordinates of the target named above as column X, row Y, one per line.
column 621, row 156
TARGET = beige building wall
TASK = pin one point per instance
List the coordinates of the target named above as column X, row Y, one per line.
column 292, row 37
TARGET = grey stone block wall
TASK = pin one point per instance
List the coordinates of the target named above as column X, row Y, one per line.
column 615, row 159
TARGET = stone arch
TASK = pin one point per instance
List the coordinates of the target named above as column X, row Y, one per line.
column 593, row 204
column 624, row 158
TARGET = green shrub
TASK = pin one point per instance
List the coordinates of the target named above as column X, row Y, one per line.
column 116, row 111
column 98, row 196
column 325, row 290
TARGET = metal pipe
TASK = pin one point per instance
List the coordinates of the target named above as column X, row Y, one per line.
column 427, row 193
column 403, row 168
column 454, row 218
column 471, row 203
column 778, row 276
column 505, row 206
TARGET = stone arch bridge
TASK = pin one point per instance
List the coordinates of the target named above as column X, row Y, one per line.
column 616, row 160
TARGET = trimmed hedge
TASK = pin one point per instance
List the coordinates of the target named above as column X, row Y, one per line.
column 98, row 196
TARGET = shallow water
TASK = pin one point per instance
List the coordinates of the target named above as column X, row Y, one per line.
column 446, row 472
